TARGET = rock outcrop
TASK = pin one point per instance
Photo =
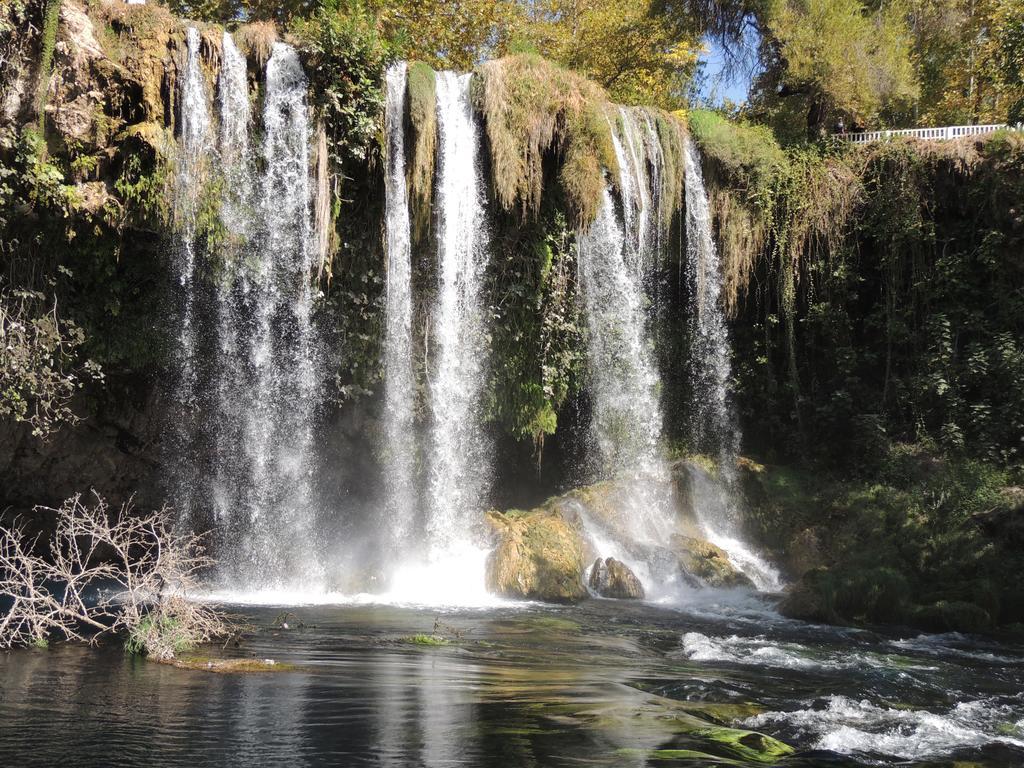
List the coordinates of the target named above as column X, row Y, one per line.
column 708, row 563
column 612, row 578
column 539, row 556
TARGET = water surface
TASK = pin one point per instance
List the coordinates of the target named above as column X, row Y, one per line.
column 606, row 684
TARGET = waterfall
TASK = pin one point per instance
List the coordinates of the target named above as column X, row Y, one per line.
column 624, row 382
column 278, row 429
column 230, row 482
column 448, row 563
column 193, row 166
column 712, row 420
column 399, row 377
column 235, row 113
column 641, row 168
column 258, row 387
column 460, row 454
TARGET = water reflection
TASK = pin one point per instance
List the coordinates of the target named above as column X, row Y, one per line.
column 604, row 684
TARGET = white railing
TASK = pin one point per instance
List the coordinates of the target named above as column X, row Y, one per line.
column 929, row 134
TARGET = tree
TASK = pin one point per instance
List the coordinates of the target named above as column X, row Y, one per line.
column 834, row 58
column 968, row 56
column 641, row 52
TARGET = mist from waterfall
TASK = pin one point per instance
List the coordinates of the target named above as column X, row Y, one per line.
column 399, row 449
column 712, row 420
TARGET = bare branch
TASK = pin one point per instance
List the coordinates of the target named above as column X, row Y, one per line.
column 103, row 574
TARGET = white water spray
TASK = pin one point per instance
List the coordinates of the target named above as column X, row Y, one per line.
column 399, row 448
column 623, row 379
column 460, row 453
column 195, row 146
column 712, row 420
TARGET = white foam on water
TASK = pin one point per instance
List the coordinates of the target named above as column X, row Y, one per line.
column 761, row 651
column 947, row 644
column 848, row 726
column 450, row 579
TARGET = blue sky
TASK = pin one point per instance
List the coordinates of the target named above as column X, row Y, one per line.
column 717, row 87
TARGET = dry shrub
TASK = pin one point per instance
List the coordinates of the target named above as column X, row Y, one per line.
column 103, row 574
column 741, row 239
column 422, row 88
column 532, row 108
column 256, row 41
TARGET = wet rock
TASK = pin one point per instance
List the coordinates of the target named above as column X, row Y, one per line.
column 807, row 600
column 952, row 616
column 539, row 556
column 612, row 578
column 702, row 559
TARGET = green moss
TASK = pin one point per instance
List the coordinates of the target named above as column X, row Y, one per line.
column 539, row 352
column 748, row 745
column 224, row 666
column 422, row 86
column 431, row 640
column 748, row 151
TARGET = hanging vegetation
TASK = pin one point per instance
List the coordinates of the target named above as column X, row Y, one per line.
column 533, row 108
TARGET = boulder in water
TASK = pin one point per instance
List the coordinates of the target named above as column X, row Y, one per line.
column 613, row 578
column 702, row 559
column 539, row 556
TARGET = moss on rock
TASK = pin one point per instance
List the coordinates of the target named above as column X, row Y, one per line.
column 422, row 88
column 707, row 562
column 539, row 556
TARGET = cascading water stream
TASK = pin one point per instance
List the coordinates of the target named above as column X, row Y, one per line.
column 195, row 145
column 258, row 387
column 279, row 424
column 236, row 161
column 231, row 471
column 450, row 565
column 460, row 457
column 399, row 448
column 623, row 379
column 712, row 421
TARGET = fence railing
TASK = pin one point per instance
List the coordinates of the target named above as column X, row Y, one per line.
column 931, row 134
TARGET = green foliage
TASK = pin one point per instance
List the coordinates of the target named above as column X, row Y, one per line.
column 830, row 58
column 346, row 58
column 537, row 333
column 903, row 545
column 750, row 152
column 867, row 269
column 163, row 631
column 51, row 21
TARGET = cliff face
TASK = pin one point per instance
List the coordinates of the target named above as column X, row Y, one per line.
column 875, row 293
column 77, row 140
